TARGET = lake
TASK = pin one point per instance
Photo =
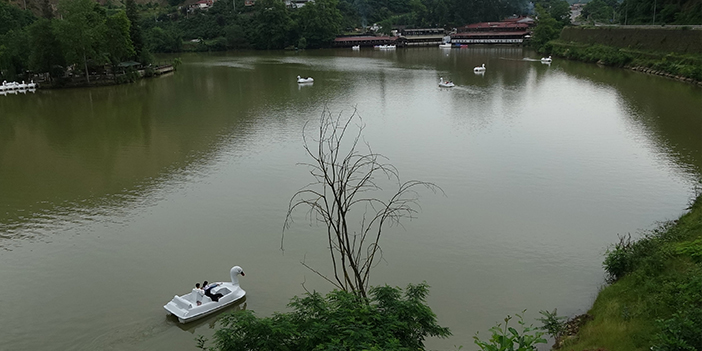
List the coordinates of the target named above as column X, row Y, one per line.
column 114, row 199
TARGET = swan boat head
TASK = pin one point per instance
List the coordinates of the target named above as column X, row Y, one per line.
column 235, row 272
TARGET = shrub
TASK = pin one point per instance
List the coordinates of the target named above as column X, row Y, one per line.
column 693, row 249
column 552, row 323
column 387, row 320
column 506, row 338
column 618, row 260
column 681, row 332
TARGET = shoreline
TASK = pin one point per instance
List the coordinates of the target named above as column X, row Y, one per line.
column 685, row 67
column 653, row 299
column 111, row 80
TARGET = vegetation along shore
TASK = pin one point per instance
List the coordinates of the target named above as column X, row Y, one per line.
column 674, row 53
column 654, row 301
column 79, row 42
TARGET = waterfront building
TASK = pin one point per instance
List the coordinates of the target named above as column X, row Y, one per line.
column 364, row 41
column 510, row 31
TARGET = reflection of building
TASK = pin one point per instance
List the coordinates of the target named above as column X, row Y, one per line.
column 509, row 31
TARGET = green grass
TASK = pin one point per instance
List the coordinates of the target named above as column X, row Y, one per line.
column 657, row 301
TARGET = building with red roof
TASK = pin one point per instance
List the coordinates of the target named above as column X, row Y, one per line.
column 510, row 31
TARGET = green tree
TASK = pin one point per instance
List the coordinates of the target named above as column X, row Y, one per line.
column 141, row 53
column 664, row 11
column 547, row 28
column 11, row 17
column 236, row 37
column 14, row 48
column 162, row 40
column 598, row 11
column 388, row 320
column 46, row 54
column 350, row 15
column 81, row 32
column 557, row 9
column 271, row 24
column 319, row 22
column 14, row 53
column 117, row 40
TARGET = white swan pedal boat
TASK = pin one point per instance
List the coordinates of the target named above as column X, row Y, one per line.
column 185, row 306
column 305, row 80
column 546, row 59
column 445, row 83
column 479, row 68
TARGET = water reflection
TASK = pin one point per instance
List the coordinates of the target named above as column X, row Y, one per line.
column 543, row 166
column 63, row 149
column 669, row 111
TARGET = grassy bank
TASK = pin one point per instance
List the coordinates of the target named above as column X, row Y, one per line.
column 655, row 300
column 686, row 67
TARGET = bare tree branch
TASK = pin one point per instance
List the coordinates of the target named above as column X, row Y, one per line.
column 345, row 196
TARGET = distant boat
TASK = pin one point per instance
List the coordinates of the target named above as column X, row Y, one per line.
column 356, row 47
column 479, row 68
column 445, row 45
column 305, row 80
column 445, row 83
column 385, row 47
column 546, row 59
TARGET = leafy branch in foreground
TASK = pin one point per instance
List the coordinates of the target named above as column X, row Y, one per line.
column 387, row 320
column 552, row 323
column 348, row 197
column 506, row 338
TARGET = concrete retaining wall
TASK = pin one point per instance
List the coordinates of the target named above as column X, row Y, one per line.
column 655, row 39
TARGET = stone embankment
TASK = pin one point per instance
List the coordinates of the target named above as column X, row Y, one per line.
column 663, row 74
column 674, row 53
column 681, row 39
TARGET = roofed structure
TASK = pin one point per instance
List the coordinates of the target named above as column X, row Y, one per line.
column 367, row 40
column 510, row 31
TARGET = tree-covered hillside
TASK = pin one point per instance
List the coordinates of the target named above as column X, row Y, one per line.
column 271, row 25
column 649, row 12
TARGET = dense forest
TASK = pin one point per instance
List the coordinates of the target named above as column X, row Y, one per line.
column 78, row 34
column 648, row 12
column 269, row 24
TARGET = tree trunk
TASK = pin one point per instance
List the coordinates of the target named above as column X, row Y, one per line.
column 85, row 64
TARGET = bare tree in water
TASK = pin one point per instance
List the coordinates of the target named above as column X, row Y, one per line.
column 345, row 197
